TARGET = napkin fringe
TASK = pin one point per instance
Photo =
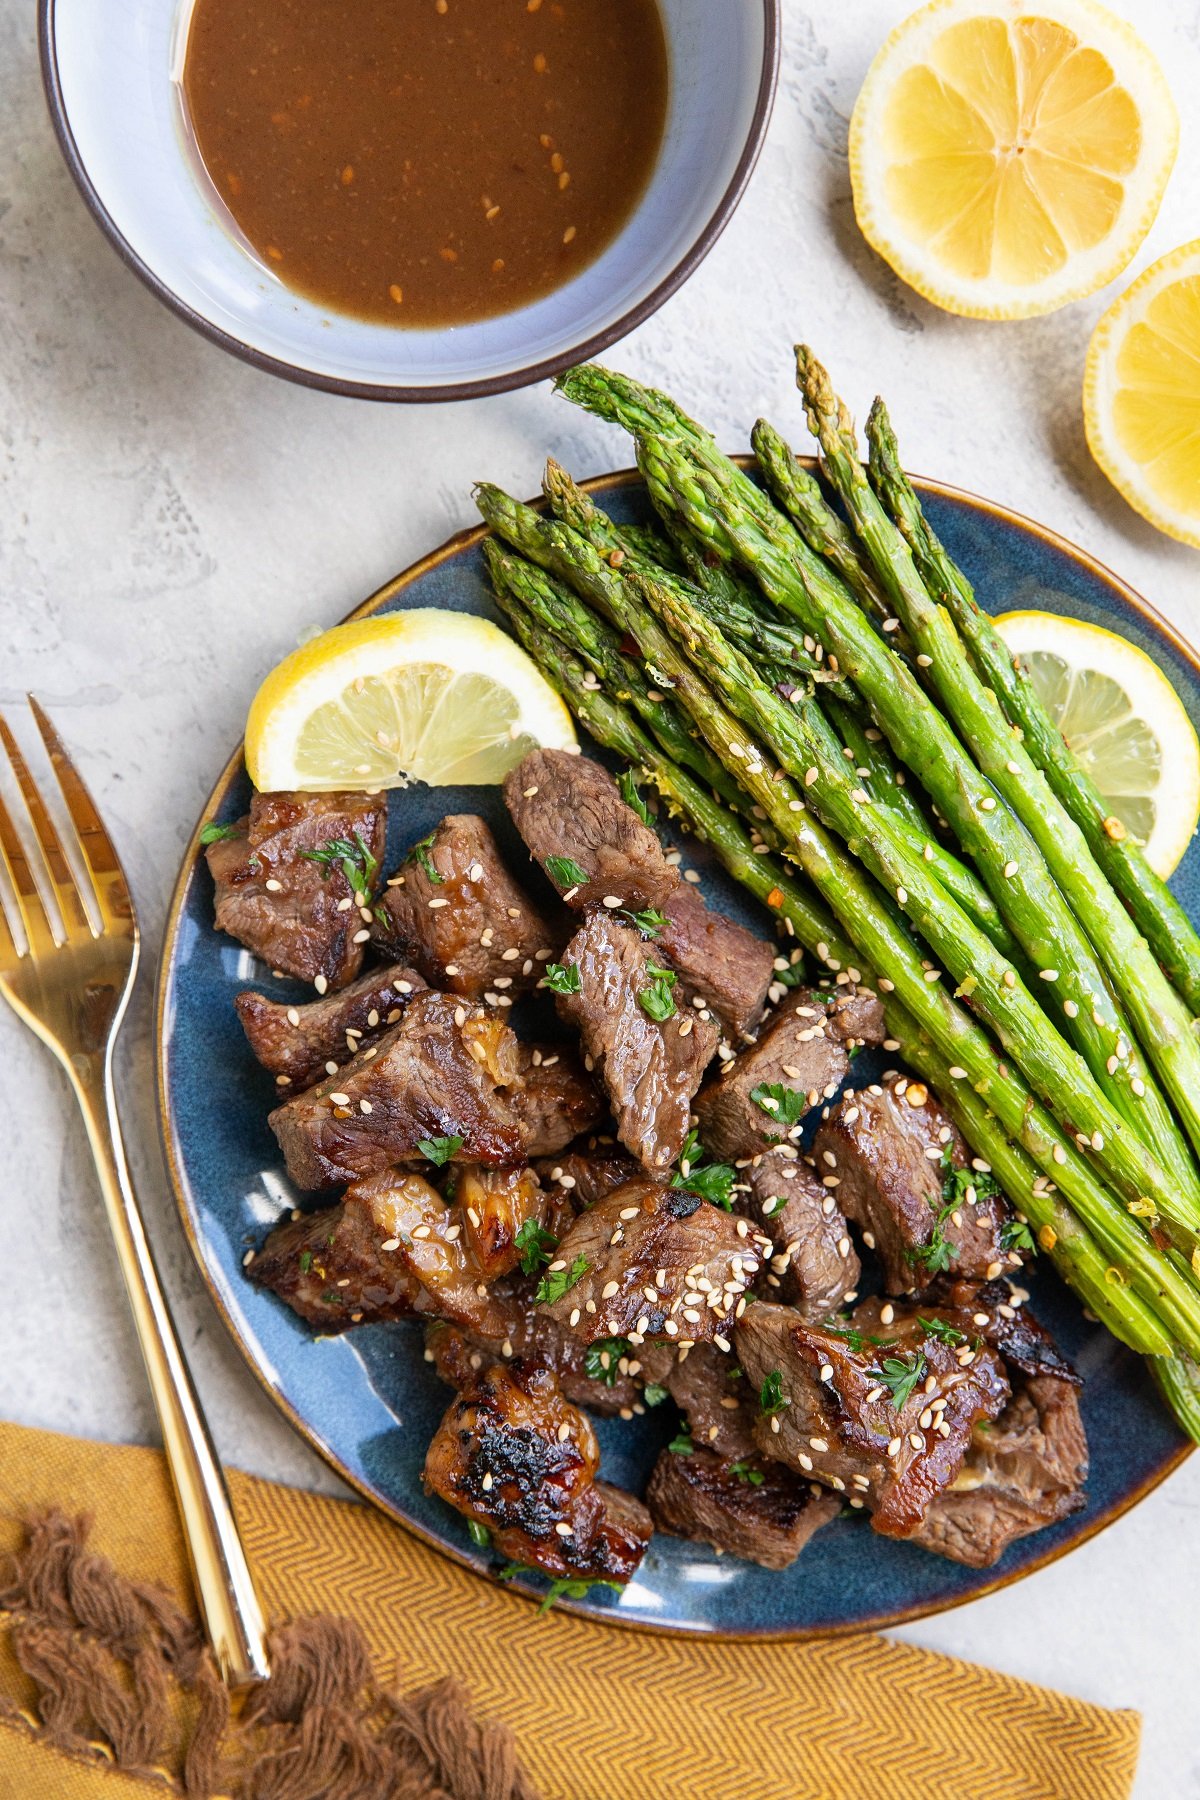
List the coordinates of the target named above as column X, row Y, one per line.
column 106, row 1654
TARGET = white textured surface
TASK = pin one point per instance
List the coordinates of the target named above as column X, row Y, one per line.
column 171, row 521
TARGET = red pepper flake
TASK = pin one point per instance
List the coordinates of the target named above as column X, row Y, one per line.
column 775, row 897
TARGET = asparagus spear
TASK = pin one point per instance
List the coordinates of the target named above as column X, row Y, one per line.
column 1155, row 909
column 1162, row 1025
column 869, row 919
column 1179, row 1379
column 708, row 490
column 1082, row 1262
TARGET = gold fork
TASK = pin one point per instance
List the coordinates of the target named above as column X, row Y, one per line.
column 71, row 982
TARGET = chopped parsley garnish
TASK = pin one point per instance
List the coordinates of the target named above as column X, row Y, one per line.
column 536, row 1246
column 785, row 1105
column 770, row 1394
column 657, row 1000
column 629, row 794
column 747, row 1472
column 565, row 873
column 212, row 833
column 856, row 1340
column 572, row 1586
column 942, row 1331
column 791, row 977
column 939, row 1252
column 1016, row 1235
column 331, row 1297
column 712, row 1181
column 556, row 1282
column 681, row 1444
column 562, row 978
column 654, row 1394
column 478, row 1534
column 421, row 854
column 306, row 1261
column 439, row 1150
column 601, row 1359
column 900, row 1375
column 649, row 922
column 353, row 857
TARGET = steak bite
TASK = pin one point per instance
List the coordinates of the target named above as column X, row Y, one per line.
column 903, row 1175
column 297, row 881
column 557, row 1098
column 992, row 1312
column 298, row 1043
column 457, row 914
column 718, row 960
column 1022, row 1472
column 650, row 1064
column 880, row 1408
column 711, row 1392
column 497, row 1205
column 651, row 1262
column 569, row 811
column 513, row 1455
column 444, row 1071
column 800, row 1058
column 458, row 1354
column 587, row 1175
column 760, row 1511
column 813, row 1264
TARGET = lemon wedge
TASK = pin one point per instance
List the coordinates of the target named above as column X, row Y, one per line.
column 1124, row 721
column 427, row 695
column 1009, row 156
column 1141, row 397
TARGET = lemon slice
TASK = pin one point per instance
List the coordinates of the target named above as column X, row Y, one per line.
column 1124, row 721
column 435, row 696
column 1008, row 156
column 1141, row 396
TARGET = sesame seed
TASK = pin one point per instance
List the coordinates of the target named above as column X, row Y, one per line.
column 364, row 1106
column 321, row 984
column 434, row 904
column 609, row 1289
column 272, row 886
column 1047, row 974
column 360, row 937
column 1010, row 869
column 612, row 900
column 340, row 1099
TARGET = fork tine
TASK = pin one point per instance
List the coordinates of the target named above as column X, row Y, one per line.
column 99, row 853
column 9, row 954
column 38, row 933
column 58, row 869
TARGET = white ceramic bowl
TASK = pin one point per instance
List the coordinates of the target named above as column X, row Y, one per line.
column 110, row 65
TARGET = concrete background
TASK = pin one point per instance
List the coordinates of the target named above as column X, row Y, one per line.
column 171, row 522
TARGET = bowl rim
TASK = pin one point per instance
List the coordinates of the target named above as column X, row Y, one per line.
column 910, row 1612
column 474, row 389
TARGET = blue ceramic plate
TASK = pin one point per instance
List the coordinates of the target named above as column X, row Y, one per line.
column 370, row 1403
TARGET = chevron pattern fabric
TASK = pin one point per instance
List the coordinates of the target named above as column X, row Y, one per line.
column 600, row 1713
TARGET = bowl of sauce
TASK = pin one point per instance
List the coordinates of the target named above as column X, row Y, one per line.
column 411, row 199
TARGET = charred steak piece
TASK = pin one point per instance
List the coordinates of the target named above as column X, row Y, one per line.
column 992, row 1312
column 298, row 1043
column 711, row 1392
column 718, row 960
column 330, row 1266
column 516, row 1457
column 557, row 1098
column 501, row 1210
column 294, row 885
column 1024, row 1471
column 650, row 1060
column 878, row 1407
column 813, row 1264
column 444, row 1072
column 455, row 912
column 758, row 1510
column 903, row 1175
column 800, row 1059
column 592, row 846
column 587, row 1175
column 614, row 1386
column 652, row 1262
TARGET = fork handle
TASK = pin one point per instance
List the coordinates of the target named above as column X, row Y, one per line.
column 228, row 1603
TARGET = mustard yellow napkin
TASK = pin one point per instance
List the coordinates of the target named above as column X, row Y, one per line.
column 600, row 1713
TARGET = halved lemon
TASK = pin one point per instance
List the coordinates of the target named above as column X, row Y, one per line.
column 1141, row 395
column 427, row 695
column 1009, row 156
column 1123, row 720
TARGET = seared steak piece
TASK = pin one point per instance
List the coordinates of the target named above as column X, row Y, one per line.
column 298, row 1043
column 557, row 1098
column 1022, row 1472
column 455, row 912
column 569, row 810
column 989, row 1311
column 650, row 1066
column 711, row 1392
column 903, row 1175
column 516, row 1457
column 652, row 1262
column 443, row 1072
column 458, row 1355
column 813, row 1264
column 758, row 1510
column 800, row 1059
column 330, row 1266
column 588, row 1175
column 295, row 884
column 719, row 961
column 496, row 1204
column 879, row 1408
